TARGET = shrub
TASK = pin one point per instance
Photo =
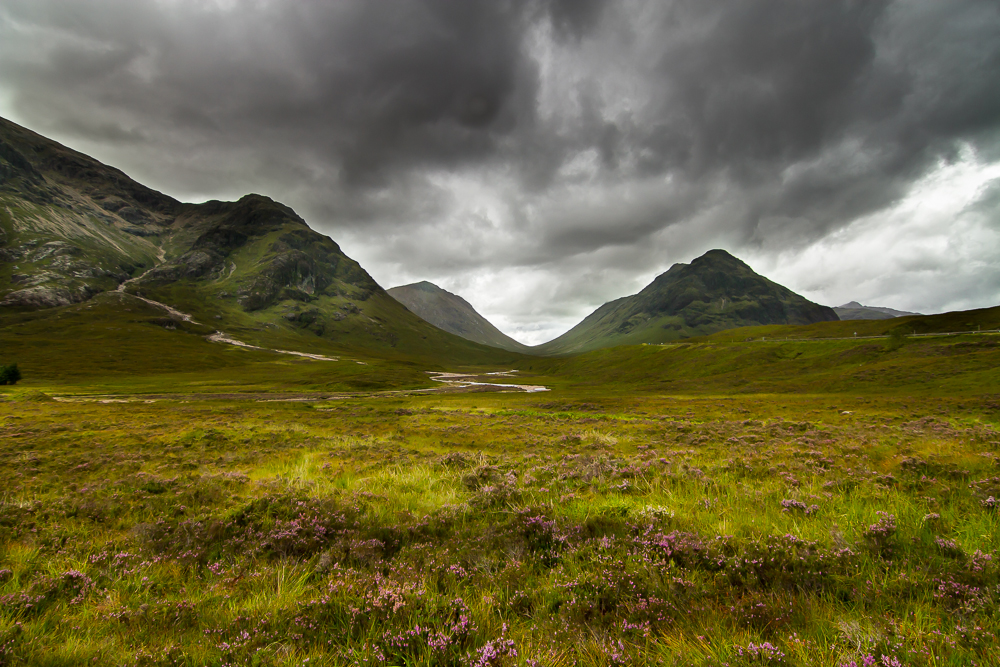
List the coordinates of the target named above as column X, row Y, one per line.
column 9, row 374
column 881, row 534
column 897, row 339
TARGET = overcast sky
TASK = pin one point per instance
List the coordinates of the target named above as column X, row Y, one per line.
column 542, row 157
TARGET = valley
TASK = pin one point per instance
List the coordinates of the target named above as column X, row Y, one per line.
column 231, row 446
column 709, row 520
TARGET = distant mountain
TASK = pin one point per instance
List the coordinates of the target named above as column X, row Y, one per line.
column 453, row 314
column 714, row 292
column 72, row 228
column 855, row 311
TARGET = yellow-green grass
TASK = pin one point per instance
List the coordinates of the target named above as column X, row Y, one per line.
column 697, row 504
column 535, row 516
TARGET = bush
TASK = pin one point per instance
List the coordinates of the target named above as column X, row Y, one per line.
column 880, row 536
column 9, row 374
column 897, row 339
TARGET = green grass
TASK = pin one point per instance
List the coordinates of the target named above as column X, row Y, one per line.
column 657, row 523
column 954, row 365
column 115, row 342
column 705, row 503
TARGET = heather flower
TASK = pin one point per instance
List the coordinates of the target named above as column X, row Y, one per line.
column 881, row 533
column 959, row 596
column 798, row 506
column 948, row 547
column 765, row 653
column 656, row 513
column 869, row 660
column 979, row 562
column 493, row 652
column 79, row 583
column 616, row 653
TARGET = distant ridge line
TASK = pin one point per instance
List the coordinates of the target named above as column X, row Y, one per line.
column 778, row 339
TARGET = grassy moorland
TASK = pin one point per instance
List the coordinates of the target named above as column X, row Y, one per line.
column 115, row 342
column 708, row 503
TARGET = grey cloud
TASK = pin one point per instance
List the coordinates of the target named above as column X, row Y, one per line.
column 575, row 18
column 369, row 84
column 988, row 202
column 752, row 90
column 766, row 81
column 600, row 130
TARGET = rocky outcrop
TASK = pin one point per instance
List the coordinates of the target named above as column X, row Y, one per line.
column 46, row 297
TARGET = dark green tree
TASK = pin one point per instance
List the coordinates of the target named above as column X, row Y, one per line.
column 9, row 374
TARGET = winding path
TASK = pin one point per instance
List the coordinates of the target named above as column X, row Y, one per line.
column 173, row 312
column 218, row 336
column 460, row 382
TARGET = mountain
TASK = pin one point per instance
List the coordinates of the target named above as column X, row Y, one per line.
column 855, row 311
column 453, row 314
column 72, row 228
column 714, row 292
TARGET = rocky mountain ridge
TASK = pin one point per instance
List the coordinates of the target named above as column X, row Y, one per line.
column 72, row 228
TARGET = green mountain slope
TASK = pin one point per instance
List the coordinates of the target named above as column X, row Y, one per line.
column 453, row 314
column 72, row 228
column 714, row 292
column 916, row 355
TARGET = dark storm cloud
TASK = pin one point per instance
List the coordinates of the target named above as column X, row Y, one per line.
column 541, row 134
column 370, row 84
column 775, row 84
column 815, row 111
column 376, row 89
column 574, row 18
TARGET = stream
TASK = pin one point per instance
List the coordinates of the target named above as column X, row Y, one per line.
column 458, row 381
column 461, row 380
